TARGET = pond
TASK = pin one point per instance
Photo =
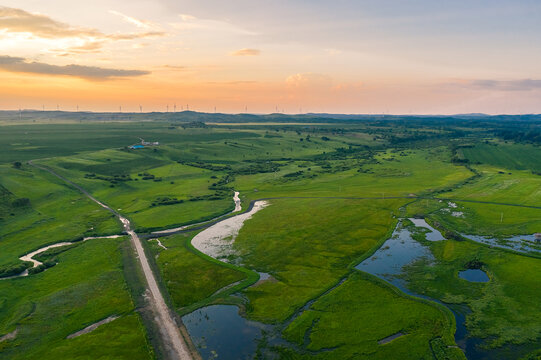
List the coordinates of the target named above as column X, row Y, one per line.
column 474, row 275
column 388, row 262
column 218, row 331
column 400, row 250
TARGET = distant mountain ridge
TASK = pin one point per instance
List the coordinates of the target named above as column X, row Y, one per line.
column 190, row 116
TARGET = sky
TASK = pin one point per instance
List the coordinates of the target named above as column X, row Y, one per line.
column 260, row 56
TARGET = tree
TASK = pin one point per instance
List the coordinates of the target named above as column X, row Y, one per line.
column 17, row 164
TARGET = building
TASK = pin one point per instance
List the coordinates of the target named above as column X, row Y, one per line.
column 149, row 143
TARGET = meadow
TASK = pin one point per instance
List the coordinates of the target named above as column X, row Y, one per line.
column 336, row 191
column 503, row 311
column 86, row 286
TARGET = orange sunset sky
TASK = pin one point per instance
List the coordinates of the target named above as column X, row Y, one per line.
column 400, row 57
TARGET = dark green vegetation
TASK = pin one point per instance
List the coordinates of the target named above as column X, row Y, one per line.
column 308, row 246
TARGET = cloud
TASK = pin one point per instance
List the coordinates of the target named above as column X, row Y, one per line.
column 506, row 85
column 32, row 25
column 494, row 85
column 17, row 20
column 186, row 17
column 174, row 67
column 86, row 48
column 189, row 22
column 22, row 65
column 144, row 24
column 134, row 36
column 309, row 80
column 246, row 52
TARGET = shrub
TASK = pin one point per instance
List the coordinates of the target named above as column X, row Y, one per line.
column 21, row 202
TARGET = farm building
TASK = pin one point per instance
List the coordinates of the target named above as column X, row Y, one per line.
column 149, row 143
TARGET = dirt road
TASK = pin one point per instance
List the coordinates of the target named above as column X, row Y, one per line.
column 175, row 345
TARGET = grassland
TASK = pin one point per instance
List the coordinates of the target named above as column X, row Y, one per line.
column 505, row 155
column 306, row 245
column 505, row 310
column 159, row 192
column 387, row 174
column 54, row 213
column 189, row 276
column 308, row 249
column 86, row 286
column 331, row 326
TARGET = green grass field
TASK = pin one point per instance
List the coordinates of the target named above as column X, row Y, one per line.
column 86, row 286
column 333, row 323
column 306, row 245
column 55, row 213
column 189, row 277
column 504, row 310
column 309, row 247
column 506, row 156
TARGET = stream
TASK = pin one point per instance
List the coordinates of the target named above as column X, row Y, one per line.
column 35, row 263
column 401, row 249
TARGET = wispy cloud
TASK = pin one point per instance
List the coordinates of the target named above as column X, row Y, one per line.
column 189, row 22
column 22, row 65
column 309, row 80
column 33, row 25
column 493, row 84
column 246, row 52
column 506, row 85
column 144, row 24
column 173, row 67
column 17, row 20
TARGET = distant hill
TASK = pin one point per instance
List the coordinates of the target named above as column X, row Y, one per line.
column 191, row 116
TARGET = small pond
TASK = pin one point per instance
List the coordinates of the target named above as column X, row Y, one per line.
column 474, row 275
column 218, row 331
column 400, row 250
